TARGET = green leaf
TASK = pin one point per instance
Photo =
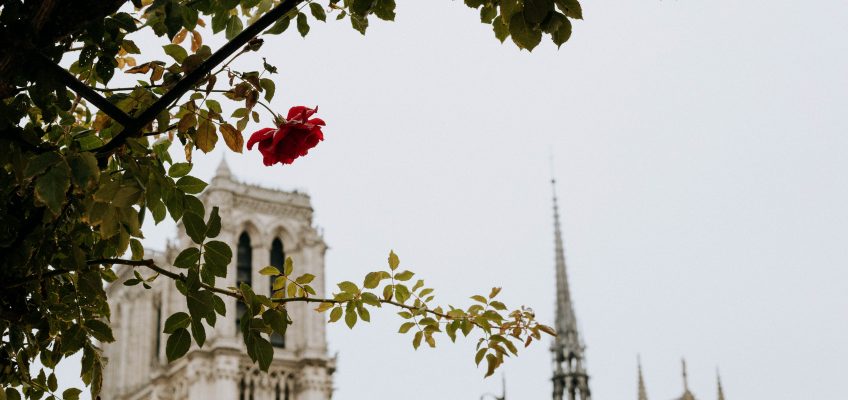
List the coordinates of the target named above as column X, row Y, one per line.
column 526, row 37
column 176, row 321
column 348, row 286
column 277, row 320
column 190, row 184
column 318, row 11
column 200, row 304
column 570, row 8
column 187, row 258
column 535, row 11
column 324, row 307
column 394, row 261
column 51, row 188
column 370, row 299
column 305, row 278
column 178, row 170
column 288, row 266
column 214, row 105
column 127, row 196
column 416, row 341
column 177, row 52
column 217, row 255
column 406, row 326
column 479, row 356
column 279, row 27
column 302, row 24
column 268, row 85
column 359, row 22
column 198, row 332
column 563, row 31
column 234, row 27
column 213, row 226
column 195, row 227
column 269, row 271
column 404, row 276
column 488, row 13
column 361, row 7
column 264, row 352
column 451, row 330
column 84, row 170
column 350, row 315
column 335, row 314
column 500, row 28
column 385, row 10
column 71, row 394
column 99, row 330
column 137, row 249
column 372, row 279
column 40, row 163
column 219, row 306
column 492, row 363
column 178, row 344
column 52, row 384
column 363, row 313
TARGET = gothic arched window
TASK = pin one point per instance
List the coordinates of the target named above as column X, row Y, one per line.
column 244, row 269
column 278, row 259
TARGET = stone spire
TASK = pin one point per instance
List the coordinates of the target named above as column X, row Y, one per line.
column 687, row 395
column 720, row 389
column 571, row 382
column 223, row 170
column 643, row 394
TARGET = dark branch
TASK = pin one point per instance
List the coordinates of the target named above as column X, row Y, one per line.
column 89, row 94
column 195, row 76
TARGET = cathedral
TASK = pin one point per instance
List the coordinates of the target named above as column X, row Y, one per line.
column 265, row 226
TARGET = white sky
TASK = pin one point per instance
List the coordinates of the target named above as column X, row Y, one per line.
column 700, row 153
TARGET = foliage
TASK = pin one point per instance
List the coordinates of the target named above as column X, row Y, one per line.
column 85, row 164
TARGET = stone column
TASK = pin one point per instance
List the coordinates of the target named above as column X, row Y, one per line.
column 313, row 384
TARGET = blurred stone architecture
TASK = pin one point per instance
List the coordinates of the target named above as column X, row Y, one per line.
column 263, row 226
column 687, row 394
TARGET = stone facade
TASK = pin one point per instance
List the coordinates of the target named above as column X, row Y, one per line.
column 302, row 369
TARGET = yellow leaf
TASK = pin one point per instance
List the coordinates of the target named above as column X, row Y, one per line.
column 196, row 41
column 141, row 69
column 187, row 121
column 233, row 138
column 206, row 137
column 181, row 35
column 158, row 71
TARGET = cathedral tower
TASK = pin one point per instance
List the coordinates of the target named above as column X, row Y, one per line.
column 263, row 227
column 571, row 382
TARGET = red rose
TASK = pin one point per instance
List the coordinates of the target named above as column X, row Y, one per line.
column 291, row 139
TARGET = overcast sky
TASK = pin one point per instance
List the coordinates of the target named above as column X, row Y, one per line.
column 701, row 159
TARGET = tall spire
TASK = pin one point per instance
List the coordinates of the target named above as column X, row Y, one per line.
column 223, row 170
column 720, row 389
column 687, row 395
column 571, row 382
column 643, row 394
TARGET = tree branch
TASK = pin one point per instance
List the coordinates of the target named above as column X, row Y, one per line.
column 195, row 76
column 89, row 94
column 149, row 263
